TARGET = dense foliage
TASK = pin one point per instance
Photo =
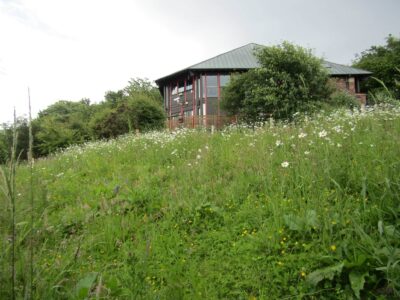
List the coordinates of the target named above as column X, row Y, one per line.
column 137, row 106
column 6, row 136
column 291, row 79
column 128, row 114
column 384, row 62
column 62, row 124
column 303, row 210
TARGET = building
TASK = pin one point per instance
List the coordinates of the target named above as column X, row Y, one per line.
column 192, row 95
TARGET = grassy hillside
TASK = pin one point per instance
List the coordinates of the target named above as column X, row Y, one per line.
column 310, row 209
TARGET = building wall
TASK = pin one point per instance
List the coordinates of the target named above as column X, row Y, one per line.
column 198, row 95
column 352, row 85
column 346, row 84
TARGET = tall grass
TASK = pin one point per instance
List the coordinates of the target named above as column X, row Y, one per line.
column 287, row 210
column 9, row 191
column 31, row 196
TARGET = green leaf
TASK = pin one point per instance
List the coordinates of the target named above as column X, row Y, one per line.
column 311, row 218
column 84, row 285
column 301, row 223
column 360, row 261
column 391, row 231
column 293, row 222
column 326, row 273
column 357, row 281
column 21, row 223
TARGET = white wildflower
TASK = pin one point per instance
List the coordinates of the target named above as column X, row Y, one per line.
column 302, row 135
column 198, row 156
column 278, row 143
column 306, row 152
column 322, row 134
column 285, row 164
column 337, row 128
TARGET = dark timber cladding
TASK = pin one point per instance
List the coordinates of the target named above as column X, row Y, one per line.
column 192, row 95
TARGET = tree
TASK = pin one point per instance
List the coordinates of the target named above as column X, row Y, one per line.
column 114, row 98
column 291, row 79
column 139, row 86
column 137, row 106
column 383, row 62
column 139, row 112
column 62, row 124
column 6, row 140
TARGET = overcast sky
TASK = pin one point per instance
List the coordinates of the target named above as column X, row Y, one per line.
column 74, row 49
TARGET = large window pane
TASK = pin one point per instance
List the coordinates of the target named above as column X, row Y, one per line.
column 212, row 86
column 224, row 79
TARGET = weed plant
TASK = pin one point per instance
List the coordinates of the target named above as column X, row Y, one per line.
column 308, row 209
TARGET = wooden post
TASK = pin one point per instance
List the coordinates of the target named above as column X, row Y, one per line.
column 219, row 98
column 193, row 98
column 170, row 108
column 205, row 98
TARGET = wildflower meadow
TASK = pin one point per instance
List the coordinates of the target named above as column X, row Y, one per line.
column 307, row 209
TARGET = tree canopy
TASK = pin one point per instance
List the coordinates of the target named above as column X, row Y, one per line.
column 291, row 79
column 384, row 62
column 137, row 106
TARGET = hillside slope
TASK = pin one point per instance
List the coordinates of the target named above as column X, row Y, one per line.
column 289, row 210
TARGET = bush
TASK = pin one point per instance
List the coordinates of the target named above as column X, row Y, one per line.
column 62, row 124
column 381, row 96
column 291, row 79
column 343, row 99
column 131, row 113
column 383, row 62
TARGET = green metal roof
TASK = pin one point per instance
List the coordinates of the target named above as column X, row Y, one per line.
column 336, row 69
column 239, row 58
column 244, row 58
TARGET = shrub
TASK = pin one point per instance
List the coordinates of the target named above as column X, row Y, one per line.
column 343, row 99
column 291, row 79
column 132, row 113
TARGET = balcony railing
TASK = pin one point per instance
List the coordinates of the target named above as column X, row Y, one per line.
column 209, row 121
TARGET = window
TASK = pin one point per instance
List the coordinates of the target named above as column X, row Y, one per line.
column 224, row 79
column 198, row 88
column 212, row 86
column 188, row 113
column 166, row 97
